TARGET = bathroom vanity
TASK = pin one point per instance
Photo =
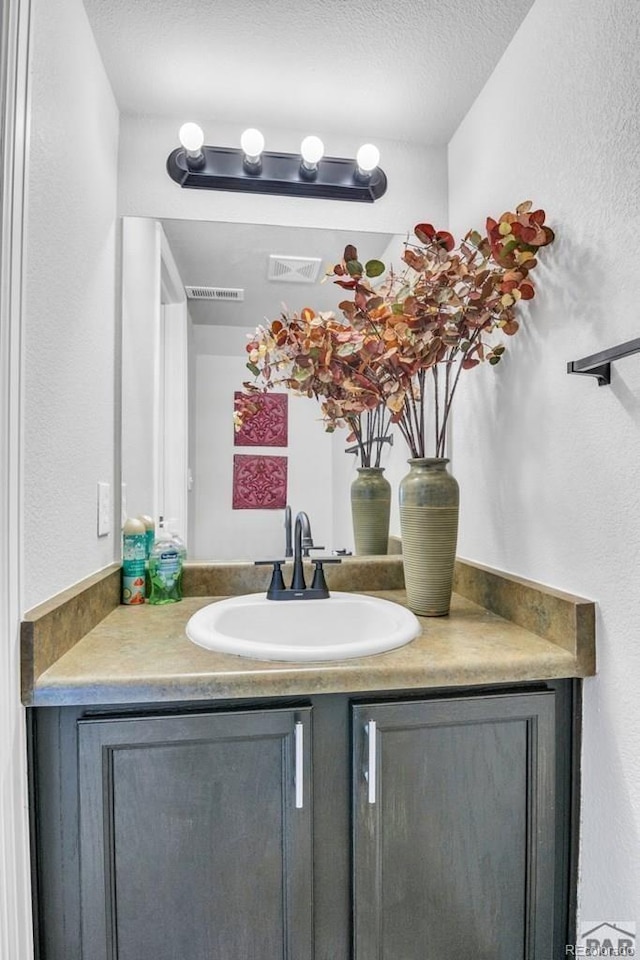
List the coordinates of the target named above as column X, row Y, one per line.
column 415, row 804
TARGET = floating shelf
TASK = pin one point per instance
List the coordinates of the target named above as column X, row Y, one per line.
column 598, row 365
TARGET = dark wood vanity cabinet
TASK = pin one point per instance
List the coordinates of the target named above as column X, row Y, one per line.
column 195, row 839
column 454, row 828
column 326, row 828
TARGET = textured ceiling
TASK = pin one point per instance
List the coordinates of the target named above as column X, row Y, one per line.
column 237, row 255
column 398, row 69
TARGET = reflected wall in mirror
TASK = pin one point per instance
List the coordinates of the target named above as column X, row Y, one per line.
column 191, row 292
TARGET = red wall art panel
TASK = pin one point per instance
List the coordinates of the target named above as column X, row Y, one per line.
column 259, row 483
column 269, row 426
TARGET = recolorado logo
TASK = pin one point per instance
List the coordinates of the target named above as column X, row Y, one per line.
column 604, row 938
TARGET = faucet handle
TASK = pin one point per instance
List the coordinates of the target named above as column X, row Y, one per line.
column 277, row 580
column 309, row 545
column 319, row 582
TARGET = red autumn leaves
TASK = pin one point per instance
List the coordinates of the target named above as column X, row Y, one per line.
column 440, row 313
column 427, row 234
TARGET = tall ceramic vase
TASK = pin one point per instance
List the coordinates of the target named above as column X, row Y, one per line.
column 429, row 503
column 370, row 506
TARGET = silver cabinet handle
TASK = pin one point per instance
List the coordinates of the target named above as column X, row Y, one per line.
column 299, row 774
column 370, row 772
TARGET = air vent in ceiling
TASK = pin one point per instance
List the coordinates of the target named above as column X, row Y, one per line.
column 214, row 293
column 294, row 269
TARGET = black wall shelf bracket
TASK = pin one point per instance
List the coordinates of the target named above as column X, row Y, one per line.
column 598, row 365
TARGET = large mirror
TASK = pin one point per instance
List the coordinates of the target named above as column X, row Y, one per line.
column 192, row 292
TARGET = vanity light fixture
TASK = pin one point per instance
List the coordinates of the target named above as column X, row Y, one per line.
column 192, row 139
column 251, row 169
column 312, row 152
column 367, row 160
column 252, row 144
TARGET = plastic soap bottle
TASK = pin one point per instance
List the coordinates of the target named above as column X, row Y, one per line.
column 165, row 568
column 150, row 532
column 149, row 540
column 172, row 527
column 133, row 561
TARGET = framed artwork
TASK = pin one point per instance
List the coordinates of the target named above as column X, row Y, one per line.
column 259, row 483
column 269, row 427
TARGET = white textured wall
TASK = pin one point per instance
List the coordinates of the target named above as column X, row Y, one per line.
column 69, row 326
column 549, row 465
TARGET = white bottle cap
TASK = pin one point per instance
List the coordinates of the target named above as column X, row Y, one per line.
column 132, row 527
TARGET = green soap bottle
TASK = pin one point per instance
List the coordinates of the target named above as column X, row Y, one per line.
column 165, row 569
column 172, row 526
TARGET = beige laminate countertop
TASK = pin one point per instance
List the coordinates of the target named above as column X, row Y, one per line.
column 142, row 655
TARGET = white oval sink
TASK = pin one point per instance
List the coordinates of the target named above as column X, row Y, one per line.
column 344, row 626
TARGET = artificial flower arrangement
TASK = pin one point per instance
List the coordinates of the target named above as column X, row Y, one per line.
column 412, row 330
column 317, row 355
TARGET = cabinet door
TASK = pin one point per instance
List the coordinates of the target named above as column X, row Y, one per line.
column 454, row 829
column 195, row 837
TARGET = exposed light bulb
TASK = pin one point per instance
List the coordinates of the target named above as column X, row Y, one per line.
column 252, row 143
column 312, row 150
column 191, row 137
column 368, row 157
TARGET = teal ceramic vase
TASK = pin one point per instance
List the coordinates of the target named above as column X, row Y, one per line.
column 429, row 506
column 370, row 508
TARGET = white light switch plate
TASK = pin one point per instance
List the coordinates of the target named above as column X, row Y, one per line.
column 104, row 509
